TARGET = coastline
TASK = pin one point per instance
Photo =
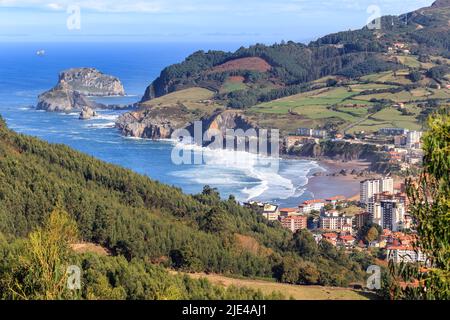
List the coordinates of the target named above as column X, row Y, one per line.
column 331, row 183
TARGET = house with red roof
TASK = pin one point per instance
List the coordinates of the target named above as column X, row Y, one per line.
column 346, row 241
column 312, row 205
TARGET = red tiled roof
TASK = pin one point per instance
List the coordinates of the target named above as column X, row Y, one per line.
column 289, row 210
column 336, row 198
column 330, row 235
column 313, row 201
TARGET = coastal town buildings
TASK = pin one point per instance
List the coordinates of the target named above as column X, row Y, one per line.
column 288, row 212
column 392, row 131
column 315, row 133
column 413, row 139
column 392, row 214
column 334, row 201
column 312, row 205
column 370, row 187
column 333, row 221
column 294, row 223
column 361, row 219
column 271, row 212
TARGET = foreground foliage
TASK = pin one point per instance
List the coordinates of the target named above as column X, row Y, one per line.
column 429, row 195
column 37, row 269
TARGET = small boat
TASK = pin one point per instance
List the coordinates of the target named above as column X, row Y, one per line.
column 40, row 53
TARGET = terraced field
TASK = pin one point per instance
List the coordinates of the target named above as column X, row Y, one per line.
column 349, row 108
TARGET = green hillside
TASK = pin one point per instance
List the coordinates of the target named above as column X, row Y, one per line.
column 340, row 82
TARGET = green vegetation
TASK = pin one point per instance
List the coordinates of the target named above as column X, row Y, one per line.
column 429, row 196
column 193, row 99
column 36, row 268
column 337, row 83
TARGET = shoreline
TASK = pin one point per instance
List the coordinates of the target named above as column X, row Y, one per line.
column 331, row 183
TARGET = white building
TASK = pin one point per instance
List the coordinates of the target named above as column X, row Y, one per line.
column 413, row 139
column 386, row 185
column 271, row 212
column 312, row 205
column 331, row 221
column 374, row 209
column 368, row 188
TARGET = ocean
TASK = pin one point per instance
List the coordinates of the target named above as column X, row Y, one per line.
column 24, row 75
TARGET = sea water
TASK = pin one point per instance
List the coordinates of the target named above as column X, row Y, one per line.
column 24, row 75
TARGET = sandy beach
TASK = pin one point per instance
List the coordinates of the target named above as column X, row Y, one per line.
column 327, row 185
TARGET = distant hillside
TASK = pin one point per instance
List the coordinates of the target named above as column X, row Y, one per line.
column 285, row 66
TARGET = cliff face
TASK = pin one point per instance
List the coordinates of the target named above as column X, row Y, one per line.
column 74, row 86
column 91, row 82
column 161, row 123
column 337, row 150
column 62, row 99
column 152, row 123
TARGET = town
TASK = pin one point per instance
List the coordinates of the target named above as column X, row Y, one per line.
column 401, row 148
column 379, row 220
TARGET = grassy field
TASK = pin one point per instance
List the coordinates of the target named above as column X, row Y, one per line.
column 230, row 86
column 389, row 117
column 289, row 291
column 192, row 98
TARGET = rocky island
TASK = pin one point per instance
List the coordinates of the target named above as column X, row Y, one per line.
column 73, row 88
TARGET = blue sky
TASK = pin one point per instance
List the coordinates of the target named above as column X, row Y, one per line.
column 234, row 21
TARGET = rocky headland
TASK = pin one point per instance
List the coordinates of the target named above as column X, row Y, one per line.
column 160, row 123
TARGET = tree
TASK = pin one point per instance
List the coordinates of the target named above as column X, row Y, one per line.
column 372, row 235
column 415, row 76
column 290, row 271
column 332, row 82
column 305, row 244
column 40, row 272
column 429, row 197
column 367, row 232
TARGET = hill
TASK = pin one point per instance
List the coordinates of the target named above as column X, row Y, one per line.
column 347, row 82
column 134, row 217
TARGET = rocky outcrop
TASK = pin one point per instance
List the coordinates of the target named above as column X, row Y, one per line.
column 87, row 113
column 337, row 150
column 160, row 123
column 91, row 82
column 74, row 86
column 151, row 124
column 63, row 99
column 441, row 4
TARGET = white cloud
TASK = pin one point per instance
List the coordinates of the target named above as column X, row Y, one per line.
column 217, row 6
